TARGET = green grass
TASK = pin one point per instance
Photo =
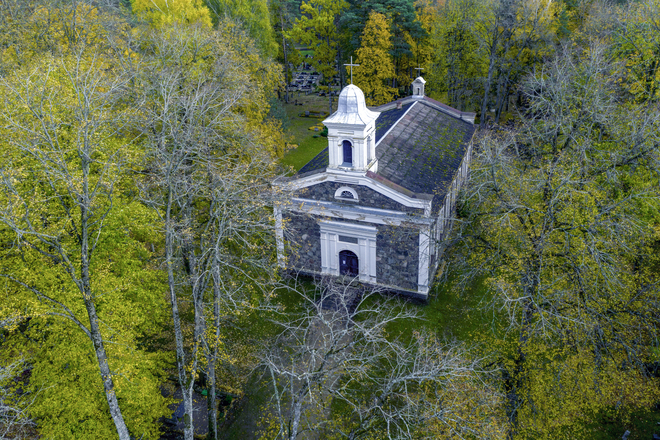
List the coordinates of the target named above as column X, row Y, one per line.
column 298, row 130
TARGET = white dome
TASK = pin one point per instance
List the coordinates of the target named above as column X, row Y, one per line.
column 352, row 108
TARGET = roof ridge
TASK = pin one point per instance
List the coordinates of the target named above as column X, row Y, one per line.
column 395, row 124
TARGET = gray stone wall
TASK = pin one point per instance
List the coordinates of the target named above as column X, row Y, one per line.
column 397, row 256
column 366, row 197
column 397, row 249
column 302, row 236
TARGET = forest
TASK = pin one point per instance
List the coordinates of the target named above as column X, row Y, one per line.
column 141, row 296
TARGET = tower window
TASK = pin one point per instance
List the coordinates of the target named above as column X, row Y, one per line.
column 348, row 153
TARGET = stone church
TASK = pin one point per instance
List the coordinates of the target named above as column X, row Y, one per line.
column 376, row 204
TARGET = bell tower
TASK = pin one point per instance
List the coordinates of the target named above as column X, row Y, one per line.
column 418, row 87
column 352, row 133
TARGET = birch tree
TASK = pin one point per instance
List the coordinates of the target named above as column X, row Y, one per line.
column 207, row 177
column 335, row 370
column 561, row 210
column 64, row 118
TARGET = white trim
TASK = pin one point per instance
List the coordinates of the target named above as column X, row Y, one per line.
column 350, row 190
column 359, row 178
column 356, row 212
column 394, row 125
column 424, row 261
column 365, row 248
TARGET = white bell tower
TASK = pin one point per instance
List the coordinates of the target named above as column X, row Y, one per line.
column 352, row 133
column 418, row 87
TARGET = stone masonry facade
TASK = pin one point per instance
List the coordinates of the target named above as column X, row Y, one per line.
column 397, row 256
column 302, row 235
column 366, row 197
column 397, row 249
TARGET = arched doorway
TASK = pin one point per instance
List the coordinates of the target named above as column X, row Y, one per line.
column 348, row 263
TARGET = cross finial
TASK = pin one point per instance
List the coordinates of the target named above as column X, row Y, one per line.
column 352, row 65
column 418, row 69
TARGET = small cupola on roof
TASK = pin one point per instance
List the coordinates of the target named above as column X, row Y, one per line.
column 352, row 132
column 418, row 87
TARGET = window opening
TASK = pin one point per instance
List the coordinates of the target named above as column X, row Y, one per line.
column 348, row 153
column 345, row 239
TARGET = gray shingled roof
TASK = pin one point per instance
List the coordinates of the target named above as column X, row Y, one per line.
column 420, row 151
column 424, row 149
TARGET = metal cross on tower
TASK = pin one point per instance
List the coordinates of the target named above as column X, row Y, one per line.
column 418, row 69
column 352, row 65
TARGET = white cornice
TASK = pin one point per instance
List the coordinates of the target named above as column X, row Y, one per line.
column 359, row 178
column 354, row 212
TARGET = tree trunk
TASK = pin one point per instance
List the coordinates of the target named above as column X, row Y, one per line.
column 178, row 334
column 286, row 63
column 94, row 330
column 489, row 80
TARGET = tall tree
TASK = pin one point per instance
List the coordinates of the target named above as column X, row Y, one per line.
column 376, row 70
column 458, row 67
column 208, row 172
column 508, row 30
column 318, row 29
column 335, row 369
column 636, row 42
column 161, row 13
column 283, row 15
column 560, row 211
column 71, row 274
column 252, row 15
column 405, row 27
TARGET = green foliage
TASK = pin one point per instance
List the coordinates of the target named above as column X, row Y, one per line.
column 459, row 61
column 75, row 239
column 317, row 28
column 163, row 13
column 376, row 70
column 557, row 231
column 253, row 16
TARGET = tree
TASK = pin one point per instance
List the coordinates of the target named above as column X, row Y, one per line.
column 507, row 31
column 253, row 16
column 404, row 28
column 558, row 210
column 335, row 370
column 636, row 42
column 458, row 66
column 162, row 13
column 207, row 177
column 376, row 69
column 283, row 13
column 317, row 28
column 71, row 270
column 14, row 421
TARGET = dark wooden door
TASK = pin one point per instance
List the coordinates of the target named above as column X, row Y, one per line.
column 348, row 263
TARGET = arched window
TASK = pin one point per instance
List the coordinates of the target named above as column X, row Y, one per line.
column 348, row 153
column 346, row 193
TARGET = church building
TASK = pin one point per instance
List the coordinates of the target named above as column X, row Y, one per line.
column 376, row 204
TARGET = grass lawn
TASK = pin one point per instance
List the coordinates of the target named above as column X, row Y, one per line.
column 298, row 132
